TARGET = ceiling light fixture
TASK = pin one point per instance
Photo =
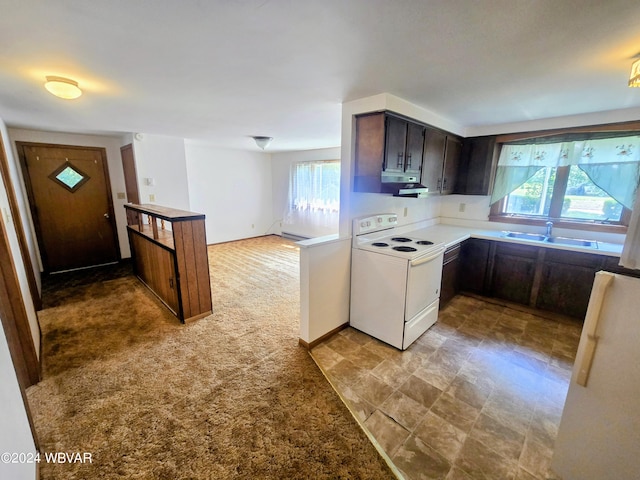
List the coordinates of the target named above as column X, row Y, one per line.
column 634, row 78
column 63, row 87
column 263, row 142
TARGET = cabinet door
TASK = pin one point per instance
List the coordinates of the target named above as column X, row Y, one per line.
column 155, row 266
column 566, row 281
column 369, row 156
column 565, row 289
column 513, row 272
column 434, row 147
column 474, row 177
column 415, row 149
column 450, row 268
column 396, row 140
column 475, row 255
column 451, row 164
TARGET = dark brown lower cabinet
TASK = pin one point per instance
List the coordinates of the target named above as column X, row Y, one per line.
column 514, row 269
column 546, row 278
column 475, row 265
column 565, row 289
column 450, row 268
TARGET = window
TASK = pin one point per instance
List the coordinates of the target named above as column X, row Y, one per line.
column 581, row 199
column 314, row 199
column 590, row 181
column 315, row 186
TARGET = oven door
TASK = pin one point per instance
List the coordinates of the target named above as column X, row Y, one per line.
column 423, row 282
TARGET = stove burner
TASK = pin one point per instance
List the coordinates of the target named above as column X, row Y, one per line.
column 405, row 249
column 401, row 239
column 424, row 242
column 380, row 244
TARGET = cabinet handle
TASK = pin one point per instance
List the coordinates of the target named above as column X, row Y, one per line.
column 439, row 184
column 409, row 160
column 444, row 184
column 400, row 158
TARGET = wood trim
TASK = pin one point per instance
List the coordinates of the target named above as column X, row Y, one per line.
column 318, row 341
column 19, row 227
column 130, row 173
column 15, row 324
column 557, row 198
column 609, row 127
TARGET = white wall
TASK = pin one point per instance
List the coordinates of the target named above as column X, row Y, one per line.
column 14, row 425
column 112, row 146
column 162, row 159
column 233, row 188
column 280, row 169
column 325, row 285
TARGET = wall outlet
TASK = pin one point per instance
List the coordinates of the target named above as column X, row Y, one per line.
column 462, row 207
column 152, row 198
column 253, row 226
column 406, row 211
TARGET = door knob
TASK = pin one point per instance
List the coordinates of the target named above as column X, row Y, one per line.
column 106, row 215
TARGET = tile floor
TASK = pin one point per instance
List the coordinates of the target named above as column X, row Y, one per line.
column 478, row 396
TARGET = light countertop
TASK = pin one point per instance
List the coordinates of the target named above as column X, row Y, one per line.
column 452, row 234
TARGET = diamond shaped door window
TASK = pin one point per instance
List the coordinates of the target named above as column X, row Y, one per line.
column 69, row 176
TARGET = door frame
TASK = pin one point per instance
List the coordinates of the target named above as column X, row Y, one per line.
column 20, row 146
column 36, row 296
column 131, row 184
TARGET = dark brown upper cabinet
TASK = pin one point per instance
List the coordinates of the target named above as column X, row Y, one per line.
column 404, row 147
column 477, row 162
column 441, row 161
column 451, row 165
column 389, row 146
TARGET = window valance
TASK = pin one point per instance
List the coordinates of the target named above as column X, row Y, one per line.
column 613, row 164
column 584, row 152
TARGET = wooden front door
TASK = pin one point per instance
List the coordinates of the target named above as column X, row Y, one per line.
column 71, row 204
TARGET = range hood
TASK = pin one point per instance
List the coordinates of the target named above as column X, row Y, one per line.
column 403, row 185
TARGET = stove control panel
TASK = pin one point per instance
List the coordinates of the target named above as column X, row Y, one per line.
column 375, row 223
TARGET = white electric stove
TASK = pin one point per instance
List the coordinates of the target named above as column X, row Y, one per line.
column 395, row 281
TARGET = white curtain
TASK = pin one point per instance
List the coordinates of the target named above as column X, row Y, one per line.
column 613, row 164
column 314, row 198
column 631, row 251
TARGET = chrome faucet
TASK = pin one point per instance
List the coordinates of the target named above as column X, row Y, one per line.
column 549, row 228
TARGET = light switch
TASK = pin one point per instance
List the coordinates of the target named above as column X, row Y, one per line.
column 122, row 195
column 152, row 198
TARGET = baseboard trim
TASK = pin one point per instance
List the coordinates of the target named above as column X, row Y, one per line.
column 318, row 341
column 293, row 236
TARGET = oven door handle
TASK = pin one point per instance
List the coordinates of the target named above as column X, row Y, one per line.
column 421, row 260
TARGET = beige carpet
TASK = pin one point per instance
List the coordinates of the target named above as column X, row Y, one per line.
column 230, row 396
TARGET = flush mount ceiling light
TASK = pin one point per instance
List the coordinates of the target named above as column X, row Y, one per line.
column 263, row 142
column 634, row 78
column 63, row 87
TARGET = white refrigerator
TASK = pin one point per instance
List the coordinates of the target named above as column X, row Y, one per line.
column 599, row 433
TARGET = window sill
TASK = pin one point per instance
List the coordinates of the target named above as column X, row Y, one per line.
column 560, row 223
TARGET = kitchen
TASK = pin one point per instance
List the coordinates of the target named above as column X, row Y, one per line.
column 562, row 289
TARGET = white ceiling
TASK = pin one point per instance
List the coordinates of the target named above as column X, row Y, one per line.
column 223, row 70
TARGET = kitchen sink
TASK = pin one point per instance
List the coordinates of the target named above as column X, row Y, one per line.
column 526, row 236
column 536, row 237
column 572, row 241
